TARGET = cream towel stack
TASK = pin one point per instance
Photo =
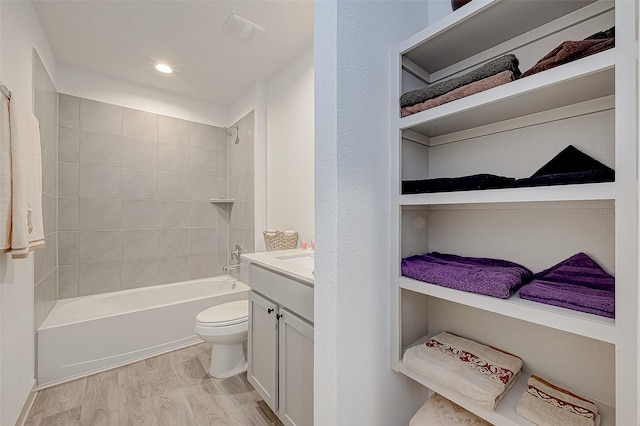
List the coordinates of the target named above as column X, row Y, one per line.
column 480, row 373
column 21, row 227
column 546, row 404
column 439, row 411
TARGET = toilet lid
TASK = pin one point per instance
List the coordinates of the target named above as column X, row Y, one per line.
column 225, row 314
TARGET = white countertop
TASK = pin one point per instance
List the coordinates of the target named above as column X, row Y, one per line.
column 296, row 263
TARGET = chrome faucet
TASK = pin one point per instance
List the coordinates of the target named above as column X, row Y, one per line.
column 235, row 254
column 232, row 266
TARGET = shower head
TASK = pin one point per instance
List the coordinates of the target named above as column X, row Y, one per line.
column 229, row 131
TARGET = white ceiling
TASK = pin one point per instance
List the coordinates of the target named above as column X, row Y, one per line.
column 124, row 39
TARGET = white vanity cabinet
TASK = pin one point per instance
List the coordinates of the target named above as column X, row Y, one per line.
column 280, row 345
column 262, row 348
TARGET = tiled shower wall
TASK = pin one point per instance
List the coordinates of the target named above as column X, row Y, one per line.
column 133, row 203
column 45, row 101
column 241, row 188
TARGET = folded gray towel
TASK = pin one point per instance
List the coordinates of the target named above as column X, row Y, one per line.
column 504, row 63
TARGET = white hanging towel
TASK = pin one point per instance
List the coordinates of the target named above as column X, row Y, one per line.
column 21, row 228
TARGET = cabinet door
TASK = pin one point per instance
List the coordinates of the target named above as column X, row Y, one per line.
column 295, row 394
column 262, row 350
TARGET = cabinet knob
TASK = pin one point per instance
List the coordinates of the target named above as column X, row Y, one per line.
column 278, row 316
column 269, row 310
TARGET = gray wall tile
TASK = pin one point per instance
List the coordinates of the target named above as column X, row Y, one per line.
column 173, row 269
column 99, row 213
column 139, row 214
column 69, row 111
column 139, row 273
column 45, row 260
column 202, row 214
column 222, row 140
column 173, row 242
column 221, row 167
column 139, row 183
column 50, row 213
column 68, row 145
column 139, row 154
column 139, row 244
column 203, row 162
column 223, row 242
column 203, row 187
column 173, row 186
column 68, row 213
column 202, row 266
column 100, row 117
column 203, row 136
column 67, row 248
column 99, row 246
column 143, row 187
column 94, row 278
column 173, row 130
column 242, row 215
column 68, row 179
column 100, row 148
column 139, row 124
column 203, row 241
column 49, row 175
column 173, row 158
column 100, row 181
column 45, row 295
column 67, row 281
column 172, row 214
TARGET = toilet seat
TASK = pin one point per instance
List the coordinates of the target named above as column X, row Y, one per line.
column 225, row 314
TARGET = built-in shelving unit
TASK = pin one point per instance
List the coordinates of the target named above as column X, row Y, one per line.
column 512, row 130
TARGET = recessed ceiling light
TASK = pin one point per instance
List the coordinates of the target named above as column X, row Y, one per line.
column 164, row 68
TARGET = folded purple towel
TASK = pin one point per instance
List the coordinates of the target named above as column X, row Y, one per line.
column 571, row 296
column 491, row 277
column 577, row 283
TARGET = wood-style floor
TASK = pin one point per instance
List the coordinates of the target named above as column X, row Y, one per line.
column 172, row 389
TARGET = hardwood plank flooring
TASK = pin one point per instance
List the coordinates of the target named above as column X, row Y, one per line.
column 172, row 389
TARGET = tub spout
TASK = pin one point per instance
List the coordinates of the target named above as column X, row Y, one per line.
column 232, row 266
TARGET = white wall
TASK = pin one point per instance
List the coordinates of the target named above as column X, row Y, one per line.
column 20, row 32
column 354, row 384
column 84, row 84
column 290, row 136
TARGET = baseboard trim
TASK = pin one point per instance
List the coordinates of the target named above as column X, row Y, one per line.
column 28, row 403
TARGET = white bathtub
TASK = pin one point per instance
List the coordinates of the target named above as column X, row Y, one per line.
column 88, row 334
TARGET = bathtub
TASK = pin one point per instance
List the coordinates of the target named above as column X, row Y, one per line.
column 88, row 334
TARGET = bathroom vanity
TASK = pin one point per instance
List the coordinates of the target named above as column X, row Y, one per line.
column 280, row 345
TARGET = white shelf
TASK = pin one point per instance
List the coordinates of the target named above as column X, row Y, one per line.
column 222, row 200
column 505, row 413
column 579, row 81
column 582, row 192
column 470, row 29
column 580, row 323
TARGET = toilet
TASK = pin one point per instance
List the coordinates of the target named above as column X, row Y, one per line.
column 226, row 327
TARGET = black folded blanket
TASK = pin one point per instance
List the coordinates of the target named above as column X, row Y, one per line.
column 504, row 63
column 465, row 183
column 570, row 166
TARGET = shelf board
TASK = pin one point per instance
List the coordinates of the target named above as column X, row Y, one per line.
column 464, row 33
column 580, row 323
column 582, row 192
column 505, row 413
column 222, row 200
column 579, row 81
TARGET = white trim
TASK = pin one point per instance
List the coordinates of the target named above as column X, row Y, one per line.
column 28, row 403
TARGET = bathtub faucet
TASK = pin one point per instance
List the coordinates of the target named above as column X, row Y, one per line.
column 232, row 266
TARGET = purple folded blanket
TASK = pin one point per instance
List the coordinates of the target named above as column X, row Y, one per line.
column 577, row 283
column 491, row 277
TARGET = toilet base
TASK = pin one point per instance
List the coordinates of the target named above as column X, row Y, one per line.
column 227, row 360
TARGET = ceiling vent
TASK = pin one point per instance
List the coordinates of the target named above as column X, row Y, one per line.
column 238, row 28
